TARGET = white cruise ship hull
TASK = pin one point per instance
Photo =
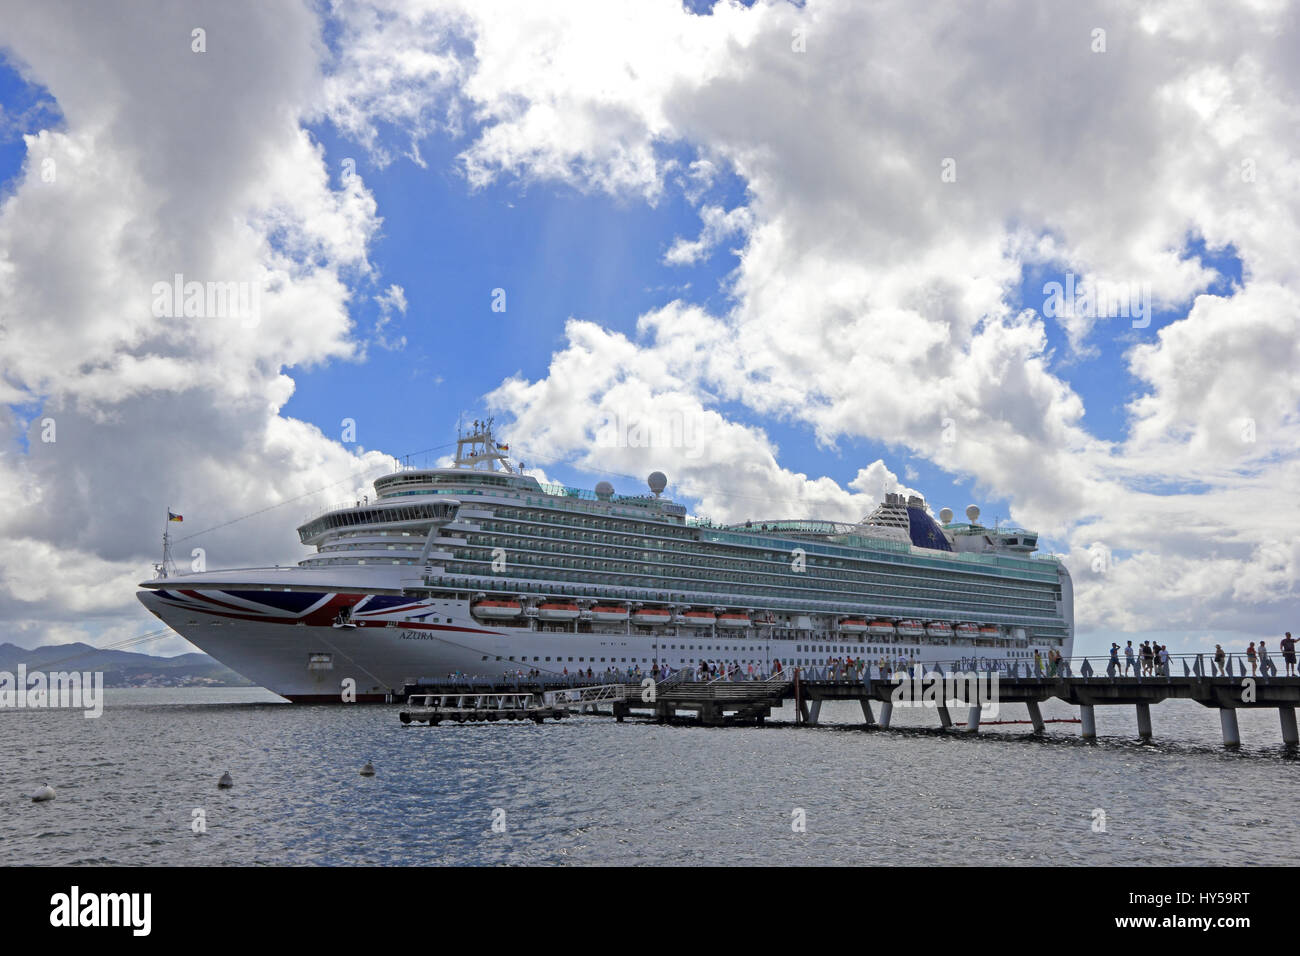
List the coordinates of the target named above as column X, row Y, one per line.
column 299, row 651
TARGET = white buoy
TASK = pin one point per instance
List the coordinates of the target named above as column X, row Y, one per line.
column 44, row 793
column 368, row 770
column 226, row 781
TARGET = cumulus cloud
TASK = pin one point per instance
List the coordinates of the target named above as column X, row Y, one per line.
column 719, row 224
column 905, row 169
column 113, row 406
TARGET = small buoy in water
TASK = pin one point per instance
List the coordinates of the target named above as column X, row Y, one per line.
column 368, row 770
column 43, row 793
column 226, row 781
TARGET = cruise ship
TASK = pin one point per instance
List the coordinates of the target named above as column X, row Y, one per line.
column 478, row 569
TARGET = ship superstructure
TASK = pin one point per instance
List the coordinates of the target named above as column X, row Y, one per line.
column 480, row 569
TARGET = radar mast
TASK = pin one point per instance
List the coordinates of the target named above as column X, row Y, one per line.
column 479, row 450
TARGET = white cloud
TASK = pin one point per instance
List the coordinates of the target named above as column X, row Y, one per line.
column 167, row 162
column 871, row 299
column 719, row 224
column 875, row 299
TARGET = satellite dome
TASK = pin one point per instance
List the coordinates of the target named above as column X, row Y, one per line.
column 657, row 481
column 973, row 514
column 604, row 490
column 945, row 516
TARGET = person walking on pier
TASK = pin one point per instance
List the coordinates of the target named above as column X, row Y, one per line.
column 1219, row 657
column 1164, row 660
column 1266, row 666
column 1288, row 654
column 1250, row 656
column 1113, row 667
column 1129, row 660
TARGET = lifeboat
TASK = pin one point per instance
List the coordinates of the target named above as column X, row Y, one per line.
column 856, row 625
column 938, row 629
column 608, row 613
column 698, row 618
column 910, row 629
column 881, row 629
column 967, row 630
column 555, row 611
column 733, row 620
column 497, row 610
column 651, row 615
column 989, row 632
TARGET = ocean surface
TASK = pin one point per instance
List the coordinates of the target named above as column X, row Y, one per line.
column 592, row 791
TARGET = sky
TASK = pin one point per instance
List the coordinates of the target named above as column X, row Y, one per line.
column 796, row 256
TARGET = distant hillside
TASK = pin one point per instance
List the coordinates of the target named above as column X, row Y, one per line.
column 123, row 668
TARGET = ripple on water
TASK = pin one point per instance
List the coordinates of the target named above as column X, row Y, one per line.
column 592, row 791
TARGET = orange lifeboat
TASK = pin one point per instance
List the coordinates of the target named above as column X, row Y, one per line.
column 733, row 619
column 497, row 610
column 698, row 618
column 557, row 611
column 855, row 625
column 651, row 615
column 609, row 613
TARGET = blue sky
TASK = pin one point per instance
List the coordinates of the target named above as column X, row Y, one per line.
column 818, row 152
column 560, row 253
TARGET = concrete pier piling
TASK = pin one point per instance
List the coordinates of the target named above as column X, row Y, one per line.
column 1231, row 734
column 1036, row 715
column 945, row 718
column 867, row 715
column 1289, row 735
column 1088, row 721
column 886, row 713
column 1144, row 720
column 973, row 719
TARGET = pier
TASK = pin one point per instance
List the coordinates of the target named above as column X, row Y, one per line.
column 725, row 702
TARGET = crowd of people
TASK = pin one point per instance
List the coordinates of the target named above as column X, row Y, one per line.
column 1147, row 659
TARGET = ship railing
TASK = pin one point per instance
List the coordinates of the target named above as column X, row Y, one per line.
column 745, row 677
column 590, row 694
column 1090, row 666
column 1202, row 664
